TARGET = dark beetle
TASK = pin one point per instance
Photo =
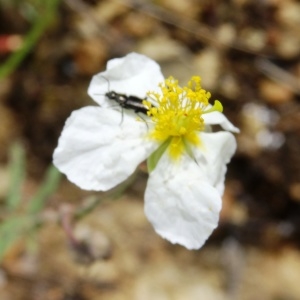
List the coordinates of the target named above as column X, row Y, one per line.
column 128, row 102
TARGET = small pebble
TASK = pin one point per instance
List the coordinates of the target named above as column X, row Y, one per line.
column 274, row 93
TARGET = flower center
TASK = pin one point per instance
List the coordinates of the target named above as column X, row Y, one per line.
column 177, row 114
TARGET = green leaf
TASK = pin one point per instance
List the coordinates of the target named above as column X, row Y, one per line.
column 154, row 158
column 45, row 17
column 10, row 231
column 17, row 171
column 48, row 187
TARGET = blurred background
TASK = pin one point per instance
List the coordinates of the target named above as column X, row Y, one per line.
column 58, row 242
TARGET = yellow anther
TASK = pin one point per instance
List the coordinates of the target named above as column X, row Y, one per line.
column 177, row 114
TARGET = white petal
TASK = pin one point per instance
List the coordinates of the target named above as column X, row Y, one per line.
column 134, row 74
column 181, row 205
column 217, row 118
column 213, row 155
column 97, row 149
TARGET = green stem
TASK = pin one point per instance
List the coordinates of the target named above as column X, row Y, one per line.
column 94, row 201
column 31, row 38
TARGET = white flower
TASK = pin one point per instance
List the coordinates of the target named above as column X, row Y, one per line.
column 101, row 146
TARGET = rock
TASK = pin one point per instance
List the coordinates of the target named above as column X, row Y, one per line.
column 90, row 55
column 208, row 66
column 273, row 92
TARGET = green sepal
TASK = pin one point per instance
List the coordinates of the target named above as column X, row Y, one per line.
column 188, row 149
column 216, row 107
column 154, row 158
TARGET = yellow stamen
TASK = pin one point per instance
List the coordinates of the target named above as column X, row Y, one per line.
column 177, row 114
